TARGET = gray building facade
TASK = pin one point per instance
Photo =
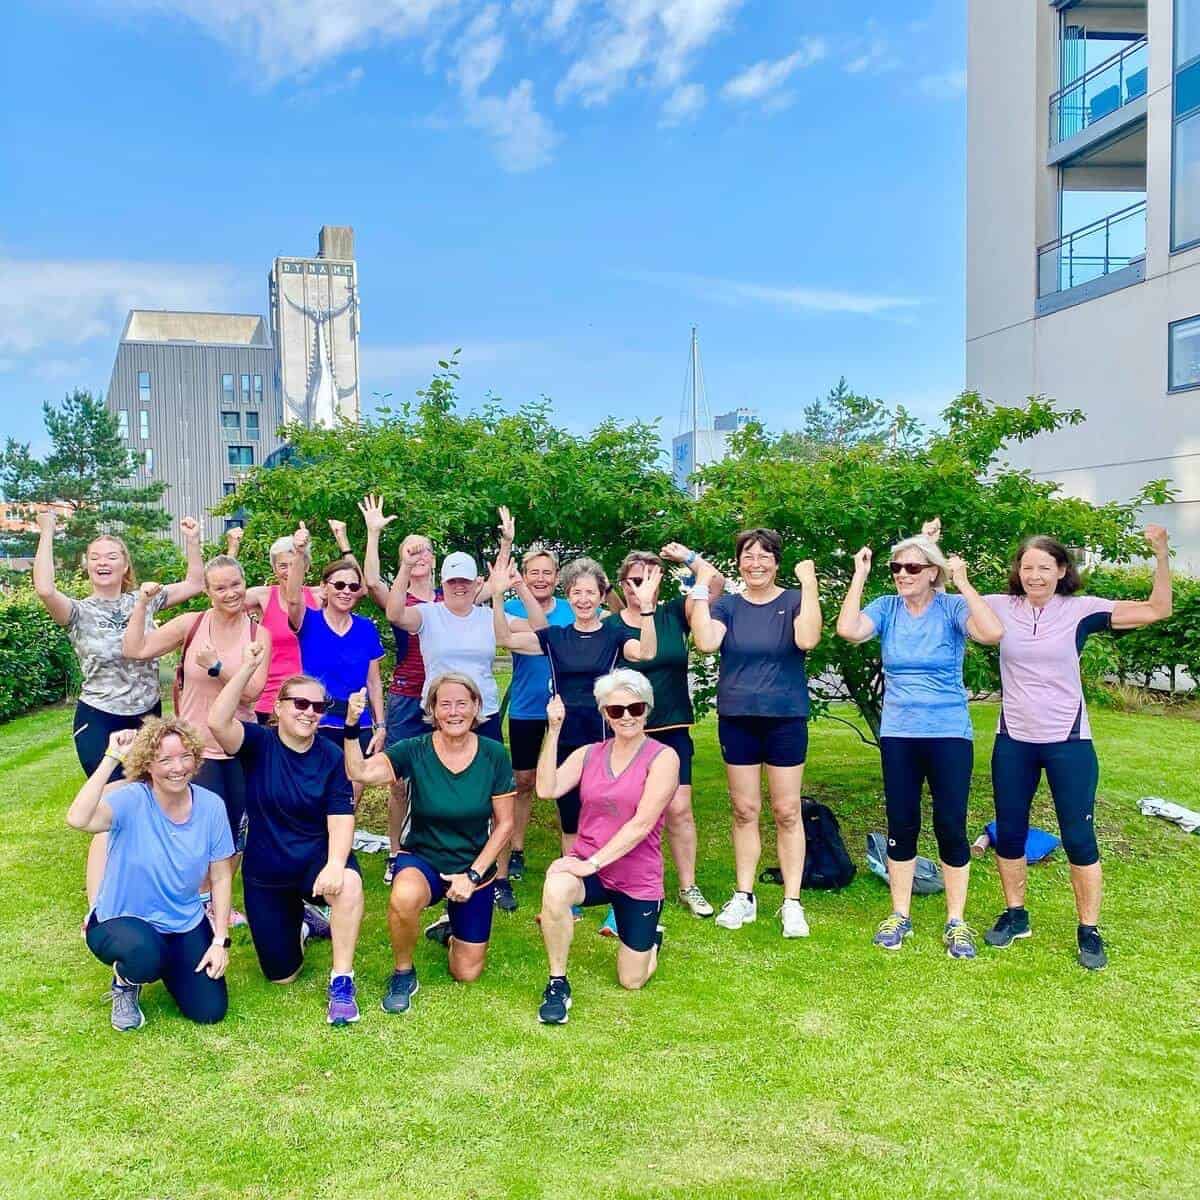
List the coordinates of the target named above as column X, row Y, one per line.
column 197, row 400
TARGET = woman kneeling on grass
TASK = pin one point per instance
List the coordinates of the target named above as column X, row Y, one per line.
column 301, row 829
column 625, row 785
column 459, row 785
column 165, row 836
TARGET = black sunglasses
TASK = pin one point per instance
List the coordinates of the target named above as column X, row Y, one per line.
column 617, row 711
column 908, row 568
column 303, row 704
column 342, row 586
column 629, row 579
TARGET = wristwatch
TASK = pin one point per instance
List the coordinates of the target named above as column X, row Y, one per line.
column 473, row 875
column 224, row 942
column 215, row 669
column 689, row 558
column 591, row 861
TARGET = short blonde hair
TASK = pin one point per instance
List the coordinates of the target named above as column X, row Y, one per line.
column 626, row 680
column 452, row 677
column 927, row 547
column 223, row 560
column 154, row 731
column 537, row 550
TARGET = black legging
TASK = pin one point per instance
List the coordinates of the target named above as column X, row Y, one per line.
column 141, row 954
column 946, row 763
column 92, row 728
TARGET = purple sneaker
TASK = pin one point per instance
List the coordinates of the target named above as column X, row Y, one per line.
column 343, row 1007
column 317, row 922
column 959, row 939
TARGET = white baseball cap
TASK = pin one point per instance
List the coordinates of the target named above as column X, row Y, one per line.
column 459, row 566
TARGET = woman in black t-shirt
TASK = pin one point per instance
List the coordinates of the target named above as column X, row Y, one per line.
column 579, row 654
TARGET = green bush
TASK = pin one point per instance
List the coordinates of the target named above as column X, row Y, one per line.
column 37, row 661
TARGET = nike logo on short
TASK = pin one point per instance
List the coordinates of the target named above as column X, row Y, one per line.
column 648, row 913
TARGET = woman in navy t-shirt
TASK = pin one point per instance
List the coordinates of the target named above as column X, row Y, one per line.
column 762, row 710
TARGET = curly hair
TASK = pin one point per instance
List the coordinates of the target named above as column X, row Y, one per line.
column 150, row 738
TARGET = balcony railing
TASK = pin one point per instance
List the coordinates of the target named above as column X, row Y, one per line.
column 1092, row 251
column 1108, row 86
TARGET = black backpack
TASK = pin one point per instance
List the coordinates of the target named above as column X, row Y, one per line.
column 827, row 865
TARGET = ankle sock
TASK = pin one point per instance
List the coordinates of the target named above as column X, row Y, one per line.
column 749, row 896
column 340, row 975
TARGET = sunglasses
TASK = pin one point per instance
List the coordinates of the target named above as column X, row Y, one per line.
column 908, row 568
column 617, row 711
column 303, row 704
column 342, row 586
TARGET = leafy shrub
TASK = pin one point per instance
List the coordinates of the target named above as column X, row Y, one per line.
column 37, row 661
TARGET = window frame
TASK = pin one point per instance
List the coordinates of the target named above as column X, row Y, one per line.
column 1178, row 119
column 144, row 424
column 123, row 423
column 237, row 465
column 1171, row 327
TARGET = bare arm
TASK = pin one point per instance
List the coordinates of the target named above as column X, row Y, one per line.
column 502, row 576
column 1133, row 614
column 376, row 770
column 554, row 780
column 852, row 624
column 57, row 605
column 89, row 811
column 140, row 643
column 293, row 589
column 222, row 716
column 215, row 959
column 983, row 625
column 677, row 552
column 503, row 821
column 371, row 508
column 330, row 879
column 806, row 628
column 375, row 696
column 707, row 632
column 399, row 612
column 646, row 647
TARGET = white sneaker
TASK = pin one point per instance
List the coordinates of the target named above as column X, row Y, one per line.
column 737, row 911
column 693, row 897
column 794, row 924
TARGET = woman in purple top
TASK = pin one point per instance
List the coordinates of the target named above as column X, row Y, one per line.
column 625, row 784
column 1044, row 724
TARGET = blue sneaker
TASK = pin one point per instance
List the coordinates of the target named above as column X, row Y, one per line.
column 502, row 894
column 317, row 922
column 608, row 928
column 577, row 912
column 343, row 1005
column 126, row 1011
column 959, row 939
column 402, row 987
column 556, row 1002
column 892, row 931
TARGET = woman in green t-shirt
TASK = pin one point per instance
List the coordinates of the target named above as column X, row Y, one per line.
column 461, row 799
column 673, row 715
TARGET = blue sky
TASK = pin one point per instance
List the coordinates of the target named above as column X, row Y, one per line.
column 560, row 187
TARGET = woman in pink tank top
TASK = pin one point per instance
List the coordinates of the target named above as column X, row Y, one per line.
column 625, row 785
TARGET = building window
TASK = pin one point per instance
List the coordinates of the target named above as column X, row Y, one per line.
column 149, row 461
column 1183, row 355
column 122, row 423
column 227, row 389
column 1187, row 31
column 234, row 523
column 1185, row 157
column 241, row 456
column 231, row 422
column 258, row 391
column 252, row 426
column 144, row 387
column 228, row 488
column 245, row 389
column 144, row 424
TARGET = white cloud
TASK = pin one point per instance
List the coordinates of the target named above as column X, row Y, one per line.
column 67, row 303
column 478, row 51
column 683, row 104
column 763, row 78
column 944, row 85
column 523, row 138
column 791, row 299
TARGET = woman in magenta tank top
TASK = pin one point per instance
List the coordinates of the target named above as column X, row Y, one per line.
column 625, row 785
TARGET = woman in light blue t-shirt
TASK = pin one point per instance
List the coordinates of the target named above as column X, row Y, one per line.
column 925, row 733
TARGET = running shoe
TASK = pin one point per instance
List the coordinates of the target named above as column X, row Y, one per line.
column 516, row 865
column 127, row 1013
column 608, row 927
column 1092, row 955
column 959, row 939
column 317, row 922
column 660, row 932
column 389, row 868
column 402, row 987
column 439, row 931
column 737, row 911
column 556, row 1003
column 892, row 931
column 694, row 899
column 502, row 891
column 794, row 923
column 343, row 1007
column 1010, row 925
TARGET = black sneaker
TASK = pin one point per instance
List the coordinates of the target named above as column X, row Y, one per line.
column 1009, row 926
column 402, row 987
column 556, row 1002
column 439, row 931
column 1091, row 950
column 503, row 893
column 516, row 865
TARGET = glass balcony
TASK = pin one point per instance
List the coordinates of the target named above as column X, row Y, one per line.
column 1107, row 87
column 1092, row 251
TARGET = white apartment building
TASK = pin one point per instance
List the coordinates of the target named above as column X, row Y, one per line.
column 1083, row 238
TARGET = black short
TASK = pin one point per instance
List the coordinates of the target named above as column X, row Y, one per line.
column 337, row 735
column 752, row 741
column 91, row 730
column 569, row 804
column 525, row 742
column 637, row 920
column 226, row 777
column 274, row 913
column 491, row 729
column 680, row 740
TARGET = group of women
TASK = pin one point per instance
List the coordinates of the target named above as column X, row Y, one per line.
column 266, row 753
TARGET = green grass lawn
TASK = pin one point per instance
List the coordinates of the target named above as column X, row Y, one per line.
column 750, row 1067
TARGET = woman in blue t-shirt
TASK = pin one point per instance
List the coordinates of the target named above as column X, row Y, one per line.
column 925, row 733
column 165, row 836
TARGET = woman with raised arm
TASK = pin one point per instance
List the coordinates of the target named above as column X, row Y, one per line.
column 301, row 829
column 762, row 710
column 461, row 790
column 579, row 654
column 925, row 734
column 625, row 784
column 338, row 647
column 212, row 644
column 1044, row 722
column 118, row 692
column 673, row 715
column 166, row 834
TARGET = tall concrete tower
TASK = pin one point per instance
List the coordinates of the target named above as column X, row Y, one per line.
column 315, row 320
